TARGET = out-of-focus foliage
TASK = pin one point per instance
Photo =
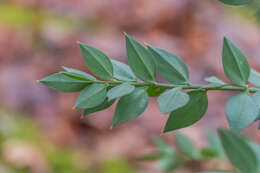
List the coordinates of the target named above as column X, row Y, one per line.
column 24, row 149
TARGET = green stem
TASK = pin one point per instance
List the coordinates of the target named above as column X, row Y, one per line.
column 185, row 86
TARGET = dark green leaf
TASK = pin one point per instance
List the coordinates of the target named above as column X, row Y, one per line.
column 235, row 2
column 119, row 91
column 171, row 67
column 122, row 71
column 77, row 73
column 63, row 83
column 140, row 60
column 214, row 80
column 97, row 62
column 215, row 145
column 91, row 96
column 130, row 106
column 189, row 114
column 235, row 63
column 187, row 146
column 106, row 104
column 256, row 149
column 172, row 100
column 238, row 151
column 254, row 78
column 241, row 111
column 216, row 171
column 155, row 91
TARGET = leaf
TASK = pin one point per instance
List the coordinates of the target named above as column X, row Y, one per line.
column 77, row 73
column 256, row 149
column 238, row 151
column 60, row 82
column 140, row 60
column 106, row 104
column 256, row 99
column 97, row 62
column 214, row 80
column 122, row 71
column 155, row 91
column 235, row 63
column 119, row 91
column 91, row 96
column 235, row 2
column 216, row 171
column 215, row 145
column 189, row 114
column 171, row 67
column 172, row 100
column 187, row 147
column 241, row 111
column 130, row 106
column 254, row 78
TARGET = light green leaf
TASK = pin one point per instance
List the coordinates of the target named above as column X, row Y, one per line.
column 235, row 2
column 172, row 100
column 241, row 111
column 189, row 114
column 187, row 146
column 106, row 104
column 122, row 71
column 214, row 80
column 119, row 91
column 171, row 67
column 254, row 78
column 77, row 73
column 235, row 63
column 91, row 96
column 97, row 62
column 130, row 106
column 140, row 60
column 238, row 151
column 63, row 83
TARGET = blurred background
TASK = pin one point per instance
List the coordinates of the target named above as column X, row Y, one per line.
column 39, row 130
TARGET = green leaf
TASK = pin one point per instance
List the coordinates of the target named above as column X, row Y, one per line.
column 97, row 62
column 140, row 60
column 172, row 100
column 256, row 149
column 106, row 104
column 91, row 96
column 214, row 80
column 171, row 67
column 241, row 111
column 238, row 151
column 215, row 145
column 122, row 71
column 77, row 73
column 256, row 99
column 235, row 63
column 155, row 91
column 254, row 78
column 189, row 114
column 130, row 106
column 235, row 2
column 187, row 146
column 119, row 91
column 60, row 82
column 216, row 171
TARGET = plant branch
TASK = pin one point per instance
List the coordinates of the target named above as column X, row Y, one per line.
column 224, row 87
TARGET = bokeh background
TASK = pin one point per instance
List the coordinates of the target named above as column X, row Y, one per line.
column 39, row 130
